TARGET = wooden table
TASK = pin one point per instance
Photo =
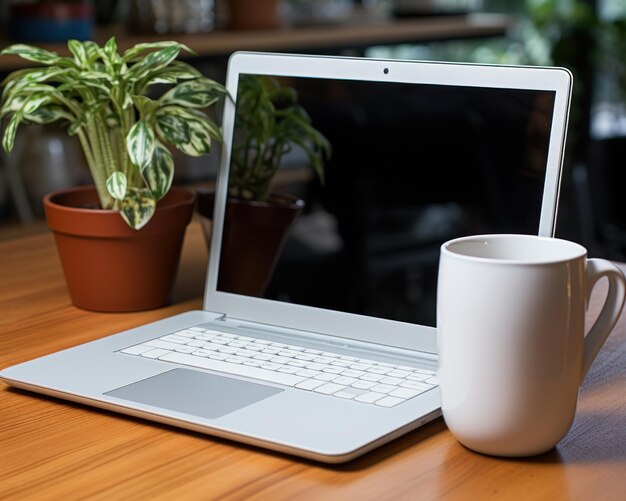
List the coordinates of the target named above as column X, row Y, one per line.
column 52, row 449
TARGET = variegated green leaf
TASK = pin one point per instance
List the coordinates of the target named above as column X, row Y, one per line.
column 48, row 114
column 172, row 128
column 34, row 102
column 198, row 93
column 12, row 105
column 116, row 185
column 9, row 133
column 134, row 52
column 140, row 144
column 21, row 78
column 79, row 52
column 145, row 105
column 31, row 53
column 110, row 50
column 152, row 62
column 159, row 173
column 202, row 130
column 138, row 207
column 176, row 70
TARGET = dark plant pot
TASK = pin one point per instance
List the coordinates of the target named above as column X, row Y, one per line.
column 108, row 266
column 253, row 239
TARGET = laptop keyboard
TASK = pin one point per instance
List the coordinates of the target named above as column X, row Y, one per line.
column 323, row 372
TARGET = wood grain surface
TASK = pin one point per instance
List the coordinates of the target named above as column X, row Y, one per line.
column 308, row 38
column 53, row 449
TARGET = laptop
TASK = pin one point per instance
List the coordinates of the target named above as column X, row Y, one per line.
column 337, row 353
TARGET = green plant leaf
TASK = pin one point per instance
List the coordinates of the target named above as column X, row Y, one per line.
column 145, row 105
column 172, row 128
column 79, row 52
column 8, row 139
column 159, row 173
column 198, row 93
column 31, row 53
column 140, row 144
column 138, row 207
column 116, row 185
column 201, row 130
column 135, row 52
column 152, row 62
column 176, row 70
column 48, row 114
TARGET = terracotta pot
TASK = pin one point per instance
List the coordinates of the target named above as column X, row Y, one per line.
column 254, row 14
column 253, row 239
column 108, row 266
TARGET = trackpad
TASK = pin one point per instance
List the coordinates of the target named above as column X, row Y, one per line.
column 194, row 392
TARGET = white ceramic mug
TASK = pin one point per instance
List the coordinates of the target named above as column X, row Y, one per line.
column 512, row 348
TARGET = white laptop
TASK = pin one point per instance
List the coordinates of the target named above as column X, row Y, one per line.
column 337, row 355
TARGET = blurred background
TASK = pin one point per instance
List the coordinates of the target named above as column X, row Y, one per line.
column 586, row 36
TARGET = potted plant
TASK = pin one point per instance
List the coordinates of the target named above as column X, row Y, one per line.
column 119, row 241
column 269, row 123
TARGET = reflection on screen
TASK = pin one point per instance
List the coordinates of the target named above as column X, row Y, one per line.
column 411, row 167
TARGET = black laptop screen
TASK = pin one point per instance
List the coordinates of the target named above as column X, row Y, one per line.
column 410, row 166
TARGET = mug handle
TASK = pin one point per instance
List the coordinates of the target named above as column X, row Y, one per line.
column 596, row 269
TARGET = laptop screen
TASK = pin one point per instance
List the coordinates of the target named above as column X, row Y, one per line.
column 410, row 166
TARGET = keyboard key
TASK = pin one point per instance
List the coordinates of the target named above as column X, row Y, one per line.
column 379, row 370
column 330, row 354
column 196, row 329
column 228, row 335
column 433, row 380
column 312, row 352
column 271, row 351
column 280, row 360
column 309, row 384
column 329, row 388
column 415, row 385
column 270, row 366
column 252, row 363
column 389, row 401
column 244, row 353
column 349, row 359
column 398, row 373
column 227, row 349
column 304, row 356
column 254, row 347
column 333, row 370
column 219, row 356
column 155, row 353
column 417, row 377
column 345, row 394
column 370, row 397
column 384, row 388
column 404, row 393
column 344, row 380
column 392, row 380
column 210, row 346
column 235, row 369
column 297, row 363
column 308, row 373
column 364, row 385
column 289, row 370
column 203, row 353
column 262, row 342
column 406, row 368
column 246, row 338
column 175, row 339
column 315, row 366
column 340, row 363
column 323, row 360
column 236, row 360
column 371, row 377
column 360, row 366
column 279, row 345
column 196, row 343
column 295, row 348
column 136, row 350
column 237, row 344
column 185, row 349
column 220, row 340
column 287, row 353
column 323, row 376
column 352, row 373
